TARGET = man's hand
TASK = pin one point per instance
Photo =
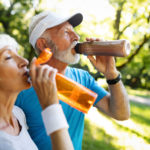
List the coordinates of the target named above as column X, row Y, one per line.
column 104, row 64
column 43, row 81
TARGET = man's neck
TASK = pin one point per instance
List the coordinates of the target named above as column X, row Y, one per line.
column 59, row 65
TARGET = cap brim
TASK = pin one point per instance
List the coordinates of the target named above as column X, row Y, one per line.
column 76, row 19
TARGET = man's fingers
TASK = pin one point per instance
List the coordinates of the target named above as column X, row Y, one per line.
column 94, row 39
column 92, row 60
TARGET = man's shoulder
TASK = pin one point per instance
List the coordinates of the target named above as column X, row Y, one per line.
column 79, row 75
column 76, row 71
column 29, row 91
column 28, row 97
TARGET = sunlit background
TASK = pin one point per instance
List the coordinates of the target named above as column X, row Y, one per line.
column 109, row 20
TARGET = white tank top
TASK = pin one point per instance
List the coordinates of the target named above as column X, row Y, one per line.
column 22, row 141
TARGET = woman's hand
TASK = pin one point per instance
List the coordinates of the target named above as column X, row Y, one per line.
column 43, row 81
column 104, row 64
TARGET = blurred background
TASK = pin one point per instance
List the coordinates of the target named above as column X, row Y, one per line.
column 109, row 20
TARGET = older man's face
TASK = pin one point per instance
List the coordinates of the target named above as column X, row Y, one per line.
column 64, row 38
column 63, row 35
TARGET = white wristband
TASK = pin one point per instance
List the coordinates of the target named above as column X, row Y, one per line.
column 54, row 118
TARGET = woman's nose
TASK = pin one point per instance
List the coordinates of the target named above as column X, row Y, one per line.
column 23, row 62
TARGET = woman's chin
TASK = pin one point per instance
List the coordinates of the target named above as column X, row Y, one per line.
column 27, row 85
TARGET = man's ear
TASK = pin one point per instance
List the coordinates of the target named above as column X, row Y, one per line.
column 41, row 44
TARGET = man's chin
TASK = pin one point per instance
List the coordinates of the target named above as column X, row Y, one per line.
column 68, row 56
column 72, row 60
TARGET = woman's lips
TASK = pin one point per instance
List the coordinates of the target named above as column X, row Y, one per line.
column 28, row 76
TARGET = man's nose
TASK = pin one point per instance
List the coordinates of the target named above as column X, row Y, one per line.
column 75, row 36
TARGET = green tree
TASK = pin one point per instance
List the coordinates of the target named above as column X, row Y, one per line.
column 14, row 20
column 132, row 22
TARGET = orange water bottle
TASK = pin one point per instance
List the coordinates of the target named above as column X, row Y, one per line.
column 69, row 91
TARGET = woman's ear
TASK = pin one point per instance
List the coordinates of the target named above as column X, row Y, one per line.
column 41, row 44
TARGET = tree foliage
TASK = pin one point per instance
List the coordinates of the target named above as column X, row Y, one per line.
column 14, row 20
column 131, row 22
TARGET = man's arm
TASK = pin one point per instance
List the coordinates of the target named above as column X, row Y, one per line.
column 115, row 104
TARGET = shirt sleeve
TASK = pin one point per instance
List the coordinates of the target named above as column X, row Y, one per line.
column 28, row 101
column 93, row 85
column 20, row 116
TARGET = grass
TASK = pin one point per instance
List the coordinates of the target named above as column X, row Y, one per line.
column 104, row 133
column 138, row 92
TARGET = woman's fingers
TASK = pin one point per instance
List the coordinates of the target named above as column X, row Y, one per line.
column 53, row 75
column 33, row 70
column 45, row 84
column 44, row 74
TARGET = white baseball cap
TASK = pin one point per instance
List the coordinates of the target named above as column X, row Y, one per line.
column 47, row 20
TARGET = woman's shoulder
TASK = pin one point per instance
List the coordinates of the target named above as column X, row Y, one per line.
column 19, row 114
column 5, row 144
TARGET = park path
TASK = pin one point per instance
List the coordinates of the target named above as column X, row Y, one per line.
column 140, row 100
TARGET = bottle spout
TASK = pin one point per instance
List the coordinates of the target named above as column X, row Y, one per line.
column 77, row 48
column 45, row 56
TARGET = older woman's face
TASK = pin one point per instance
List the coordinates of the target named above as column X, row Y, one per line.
column 13, row 71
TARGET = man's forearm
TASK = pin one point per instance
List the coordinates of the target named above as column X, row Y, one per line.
column 118, row 101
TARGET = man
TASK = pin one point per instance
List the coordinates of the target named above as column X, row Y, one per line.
column 51, row 30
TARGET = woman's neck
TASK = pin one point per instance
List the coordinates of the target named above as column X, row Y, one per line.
column 7, row 100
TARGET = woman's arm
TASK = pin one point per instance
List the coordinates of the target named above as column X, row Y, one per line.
column 43, row 81
column 61, row 140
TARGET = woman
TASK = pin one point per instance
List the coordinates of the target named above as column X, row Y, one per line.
column 14, row 77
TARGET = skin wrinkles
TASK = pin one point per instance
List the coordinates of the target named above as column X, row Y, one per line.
column 63, row 50
column 12, row 81
column 116, row 103
column 66, row 33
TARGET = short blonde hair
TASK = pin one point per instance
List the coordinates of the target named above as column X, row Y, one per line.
column 6, row 40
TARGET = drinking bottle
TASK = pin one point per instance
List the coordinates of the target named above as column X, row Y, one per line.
column 69, row 91
column 119, row 48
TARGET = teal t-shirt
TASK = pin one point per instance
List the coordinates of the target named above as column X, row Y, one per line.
column 28, row 101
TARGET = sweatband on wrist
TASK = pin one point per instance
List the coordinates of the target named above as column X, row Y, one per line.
column 54, row 118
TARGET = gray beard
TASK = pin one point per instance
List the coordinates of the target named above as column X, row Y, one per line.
column 65, row 56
